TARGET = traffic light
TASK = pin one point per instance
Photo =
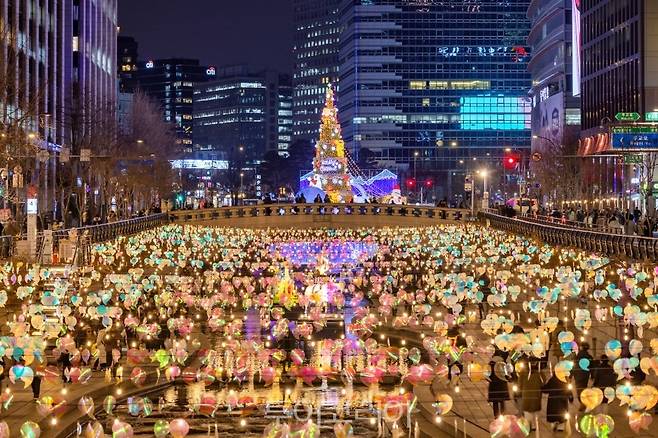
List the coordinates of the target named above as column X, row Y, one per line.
column 411, row 183
column 511, row 160
column 429, row 183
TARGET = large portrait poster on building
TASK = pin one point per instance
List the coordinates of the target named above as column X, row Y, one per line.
column 576, row 46
column 548, row 121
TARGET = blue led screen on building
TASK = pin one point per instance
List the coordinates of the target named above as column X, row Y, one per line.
column 480, row 113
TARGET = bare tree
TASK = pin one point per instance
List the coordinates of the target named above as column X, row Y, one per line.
column 647, row 170
column 560, row 173
column 130, row 166
column 144, row 173
column 20, row 110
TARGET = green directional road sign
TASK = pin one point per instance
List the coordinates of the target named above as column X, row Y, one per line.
column 632, row 159
column 628, row 117
column 651, row 116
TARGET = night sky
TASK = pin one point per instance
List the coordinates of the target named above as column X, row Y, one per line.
column 258, row 33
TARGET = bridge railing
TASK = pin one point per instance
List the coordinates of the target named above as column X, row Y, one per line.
column 265, row 210
column 632, row 247
column 112, row 230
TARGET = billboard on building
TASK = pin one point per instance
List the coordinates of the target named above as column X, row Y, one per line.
column 548, row 121
column 576, row 46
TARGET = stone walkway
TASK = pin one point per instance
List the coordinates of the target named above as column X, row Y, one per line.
column 23, row 407
column 472, row 414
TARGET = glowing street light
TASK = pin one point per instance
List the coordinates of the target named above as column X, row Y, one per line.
column 485, row 195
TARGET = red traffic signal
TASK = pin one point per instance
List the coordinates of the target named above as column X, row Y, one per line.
column 429, row 183
column 511, row 160
column 411, row 182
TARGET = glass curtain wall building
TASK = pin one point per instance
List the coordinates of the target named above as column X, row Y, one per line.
column 171, row 83
column 619, row 60
column 243, row 109
column 281, row 131
column 316, row 62
column 435, row 88
column 53, row 50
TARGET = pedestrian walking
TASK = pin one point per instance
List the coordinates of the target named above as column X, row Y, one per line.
column 530, row 385
column 603, row 375
column 102, row 356
column 65, row 360
column 498, row 391
column 3, row 373
column 557, row 406
column 36, row 382
column 116, row 357
column 581, row 375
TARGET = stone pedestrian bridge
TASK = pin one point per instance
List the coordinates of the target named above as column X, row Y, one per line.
column 321, row 215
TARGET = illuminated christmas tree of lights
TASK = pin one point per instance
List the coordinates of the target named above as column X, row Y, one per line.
column 330, row 163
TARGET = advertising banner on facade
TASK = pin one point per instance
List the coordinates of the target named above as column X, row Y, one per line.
column 577, row 45
column 548, row 121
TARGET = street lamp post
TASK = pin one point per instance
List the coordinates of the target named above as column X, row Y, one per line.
column 241, row 185
column 485, row 196
column 415, row 179
column 555, row 145
column 472, row 197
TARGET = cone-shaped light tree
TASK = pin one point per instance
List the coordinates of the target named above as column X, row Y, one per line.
column 330, row 163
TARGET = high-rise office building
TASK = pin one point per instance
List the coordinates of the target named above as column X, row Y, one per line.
column 55, row 50
column 57, row 69
column 171, row 83
column 431, row 87
column 94, row 41
column 241, row 109
column 127, row 58
column 619, row 64
column 555, row 109
column 281, row 132
column 316, row 40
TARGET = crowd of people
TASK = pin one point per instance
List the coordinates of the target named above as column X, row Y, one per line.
column 628, row 222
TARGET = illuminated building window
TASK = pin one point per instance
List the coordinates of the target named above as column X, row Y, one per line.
column 438, row 85
column 426, row 102
column 470, row 85
column 417, row 85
